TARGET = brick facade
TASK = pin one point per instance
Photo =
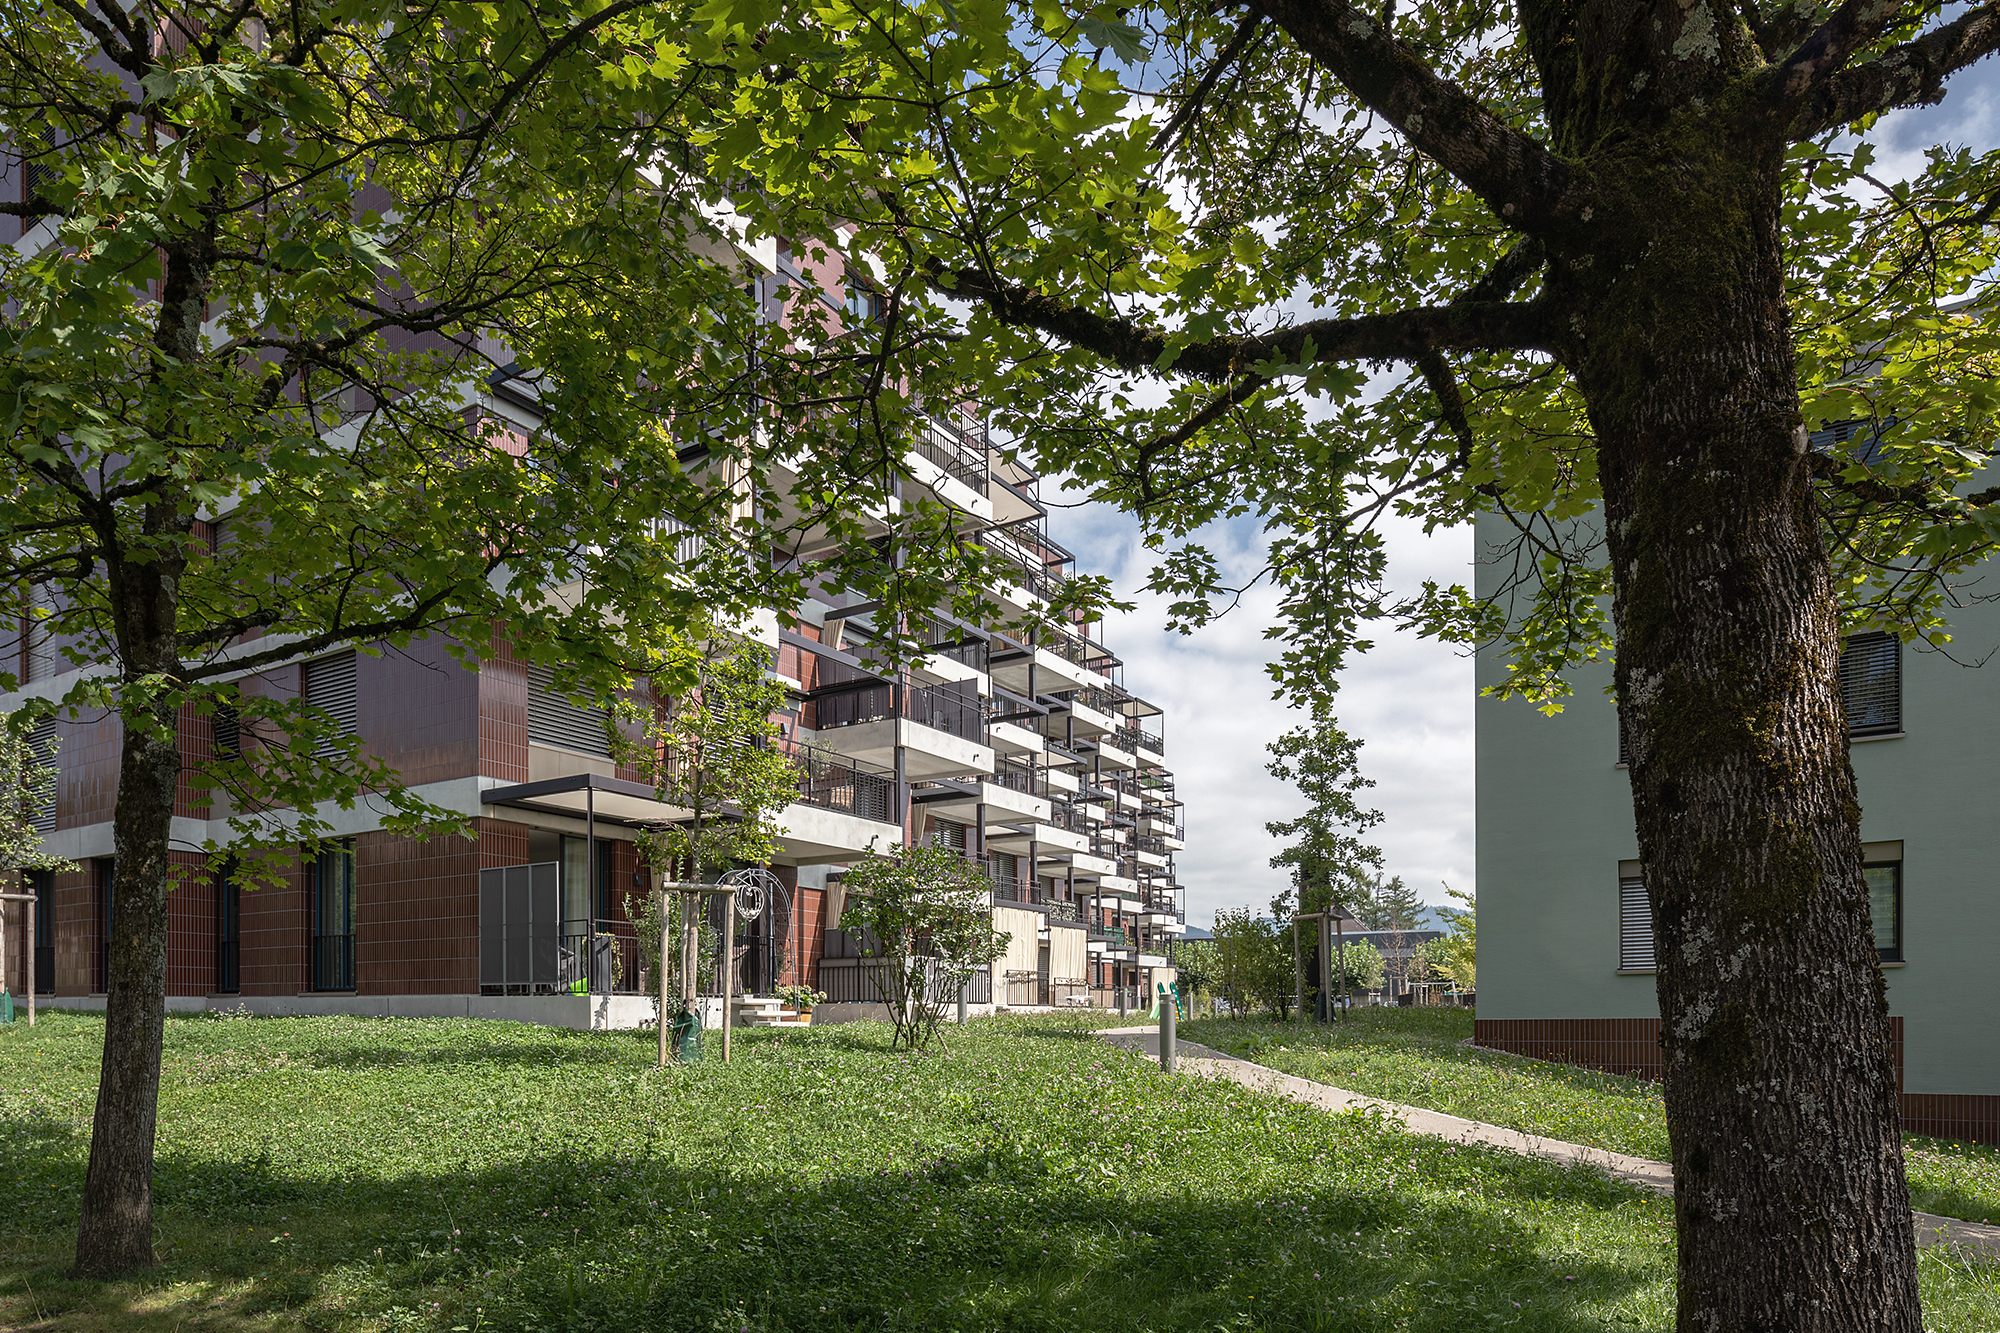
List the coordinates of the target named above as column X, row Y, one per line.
column 1631, row 1046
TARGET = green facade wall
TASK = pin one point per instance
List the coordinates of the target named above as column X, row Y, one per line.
column 1554, row 819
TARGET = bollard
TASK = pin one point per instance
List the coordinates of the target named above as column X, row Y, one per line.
column 1168, row 1034
column 961, row 1002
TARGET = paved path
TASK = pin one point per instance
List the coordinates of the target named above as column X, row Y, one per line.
column 1640, row 1171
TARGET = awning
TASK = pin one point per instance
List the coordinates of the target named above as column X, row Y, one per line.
column 590, row 795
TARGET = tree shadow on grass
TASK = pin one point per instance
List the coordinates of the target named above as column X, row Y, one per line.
column 1006, row 1233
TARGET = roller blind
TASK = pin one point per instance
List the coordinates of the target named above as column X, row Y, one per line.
column 329, row 685
column 554, row 720
column 1635, row 925
column 1871, row 684
column 42, row 745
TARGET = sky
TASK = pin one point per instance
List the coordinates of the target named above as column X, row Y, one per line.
column 1409, row 700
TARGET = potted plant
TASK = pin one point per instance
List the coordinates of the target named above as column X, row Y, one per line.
column 801, row 998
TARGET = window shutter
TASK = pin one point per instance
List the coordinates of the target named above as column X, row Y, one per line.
column 330, row 688
column 1871, row 684
column 554, row 720
column 1635, row 926
column 228, row 727
column 42, row 745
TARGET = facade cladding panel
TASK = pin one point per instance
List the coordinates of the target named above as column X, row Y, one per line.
column 416, row 909
column 502, row 740
column 1554, row 824
column 418, row 710
column 191, row 927
column 273, row 924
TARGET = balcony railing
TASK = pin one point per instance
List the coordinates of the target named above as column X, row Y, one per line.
column 948, row 708
column 835, row 782
column 957, row 452
column 1015, row 775
column 851, row 707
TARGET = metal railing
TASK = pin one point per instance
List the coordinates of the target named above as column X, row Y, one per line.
column 946, row 708
column 1017, row 775
column 956, row 455
column 851, row 707
column 831, row 781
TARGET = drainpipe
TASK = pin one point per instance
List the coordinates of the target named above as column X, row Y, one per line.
column 590, row 883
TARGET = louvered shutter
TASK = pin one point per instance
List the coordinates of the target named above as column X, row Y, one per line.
column 330, row 688
column 42, row 745
column 1871, row 684
column 1635, row 926
column 554, row 720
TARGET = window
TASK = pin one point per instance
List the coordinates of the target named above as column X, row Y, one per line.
column 1885, row 906
column 45, row 929
column 329, row 684
column 1635, row 920
column 330, row 919
column 228, row 727
column 1871, row 684
column 106, row 869
column 861, row 303
column 228, row 930
column 1871, row 688
column 42, row 745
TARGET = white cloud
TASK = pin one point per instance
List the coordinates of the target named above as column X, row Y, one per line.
column 1409, row 699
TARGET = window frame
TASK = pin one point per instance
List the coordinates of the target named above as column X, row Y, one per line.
column 340, row 853
column 1896, row 951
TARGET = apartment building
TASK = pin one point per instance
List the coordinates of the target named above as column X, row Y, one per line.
column 1023, row 748
column 1566, row 962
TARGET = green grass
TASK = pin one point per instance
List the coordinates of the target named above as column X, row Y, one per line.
column 1417, row 1056
column 361, row 1174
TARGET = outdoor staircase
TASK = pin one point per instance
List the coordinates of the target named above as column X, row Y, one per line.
column 761, row 1011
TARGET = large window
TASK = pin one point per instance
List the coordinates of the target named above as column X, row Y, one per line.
column 330, row 919
column 106, row 874
column 228, row 930
column 44, row 882
column 1885, row 906
column 329, row 685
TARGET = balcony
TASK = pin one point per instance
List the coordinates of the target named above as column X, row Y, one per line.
column 941, row 728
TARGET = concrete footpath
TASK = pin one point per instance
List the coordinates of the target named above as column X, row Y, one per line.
column 1641, row 1171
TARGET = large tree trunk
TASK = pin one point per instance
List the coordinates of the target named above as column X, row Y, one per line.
column 1781, row 1105
column 115, row 1232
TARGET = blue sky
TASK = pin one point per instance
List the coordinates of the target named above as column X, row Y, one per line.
column 1410, row 700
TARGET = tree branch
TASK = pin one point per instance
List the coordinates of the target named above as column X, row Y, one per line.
column 1401, row 335
column 1520, row 180
column 1912, row 74
column 1832, row 471
column 1184, row 116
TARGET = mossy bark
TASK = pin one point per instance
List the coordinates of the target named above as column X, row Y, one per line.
column 1782, row 1110
column 143, row 562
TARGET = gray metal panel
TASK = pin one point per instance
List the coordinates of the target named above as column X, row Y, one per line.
column 520, row 923
column 554, row 720
column 545, row 900
column 492, row 919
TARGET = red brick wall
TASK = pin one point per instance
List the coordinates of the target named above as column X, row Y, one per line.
column 416, row 908
column 1631, row 1046
column 503, row 717
column 272, row 955
column 191, row 927
column 421, row 711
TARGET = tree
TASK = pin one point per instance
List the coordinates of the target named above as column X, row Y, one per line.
column 1254, row 962
column 924, row 916
column 1459, row 949
column 707, row 746
column 334, row 327
column 1626, row 258
column 1386, row 903
column 1320, row 760
column 1363, row 970
column 28, row 778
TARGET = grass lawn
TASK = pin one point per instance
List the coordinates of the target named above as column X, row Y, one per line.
column 365, row 1174
column 1414, row 1056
